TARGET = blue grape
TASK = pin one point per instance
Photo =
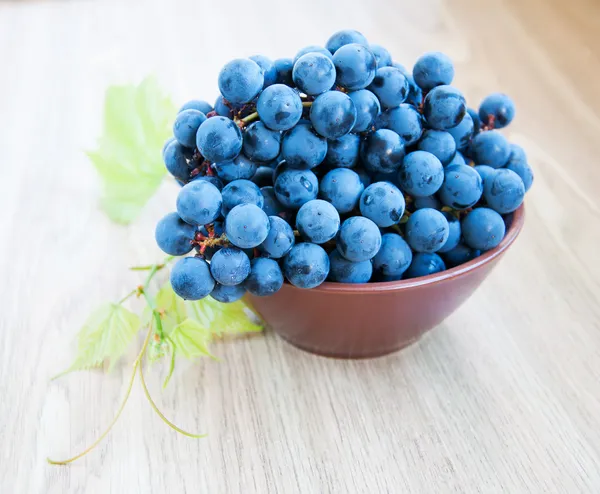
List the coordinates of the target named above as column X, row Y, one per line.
column 462, row 187
column 222, row 109
column 499, row 108
column 355, row 65
column 238, row 168
column 342, row 188
column 199, row 203
column 454, row 233
column 345, row 37
column 433, row 69
column 271, row 204
column 318, row 221
column 263, row 176
column 405, row 121
column 344, row 271
column 364, row 178
column 306, row 265
column 427, row 230
column 483, row 229
column 166, row 144
column 518, row 164
column 241, row 80
column 241, row 192
column 280, row 239
column 343, row 152
column 186, row 126
column 314, row 73
column 463, row 132
column 333, row 114
column 382, row 56
column 228, row 294
column 458, row 159
column 490, row 148
column 485, row 172
column 415, row 95
column 294, row 188
column 230, row 266
column 382, row 151
column 424, row 264
column 367, row 108
column 439, row 143
column 427, row 202
column 459, row 255
column 174, row 236
column 279, row 107
column 191, row 278
column 175, row 157
column 247, row 226
column 265, row 277
column 302, row 148
column 394, row 256
column 197, row 104
column 421, row 174
column 219, row 139
column 504, row 191
column 359, row 239
column 268, row 69
column 444, row 107
column 390, row 86
column 283, row 68
column 382, row 203
column 216, row 181
column 261, row 143
column 476, row 122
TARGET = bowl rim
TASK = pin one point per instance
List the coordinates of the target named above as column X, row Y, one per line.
column 518, row 220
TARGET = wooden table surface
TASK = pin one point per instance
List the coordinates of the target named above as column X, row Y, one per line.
column 504, row 396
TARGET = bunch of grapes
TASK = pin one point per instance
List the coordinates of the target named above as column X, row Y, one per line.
column 338, row 165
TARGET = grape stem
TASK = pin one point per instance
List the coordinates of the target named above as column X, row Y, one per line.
column 254, row 116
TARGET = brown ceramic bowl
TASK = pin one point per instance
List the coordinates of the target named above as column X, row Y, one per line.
column 371, row 319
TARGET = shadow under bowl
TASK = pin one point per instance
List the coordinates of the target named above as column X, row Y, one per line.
column 346, row 320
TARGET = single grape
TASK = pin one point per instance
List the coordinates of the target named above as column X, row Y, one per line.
column 444, row 107
column 390, row 86
column 424, row 264
column 343, row 152
column 367, row 108
column 459, row 255
column 279, row 107
column 166, row 144
column 318, row 221
column 267, row 67
column 261, row 143
column 223, row 109
column 230, row 266
column 238, row 168
column 283, row 68
column 463, row 132
column 382, row 56
column 382, row 203
column 504, row 191
column 497, row 108
column 228, row 294
column 458, row 159
column 490, row 148
column 359, row 239
column 439, row 143
column 241, row 80
column 302, row 148
column 345, row 37
column 427, row 202
column 355, row 65
column 174, row 236
column 191, row 278
column 186, row 126
column 433, row 69
column 518, row 164
column 176, row 160
column 263, row 177
column 462, row 187
column 382, row 151
column 280, row 239
column 333, row 114
column 197, row 104
column 314, row 73
column 294, row 188
column 394, row 256
column 342, row 188
column 476, row 122
column 415, row 95
column 405, row 121
column 427, row 230
column 199, row 203
column 219, row 139
column 265, row 277
column 454, row 233
column 421, row 174
column 483, row 229
column 246, row 226
column 484, row 172
column 241, row 192
column 306, row 265
column 272, row 206
column 344, row 271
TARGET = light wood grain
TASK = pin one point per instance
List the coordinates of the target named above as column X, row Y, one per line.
column 502, row 397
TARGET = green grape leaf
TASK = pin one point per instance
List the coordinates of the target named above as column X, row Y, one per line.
column 105, row 336
column 224, row 319
column 128, row 158
column 191, row 339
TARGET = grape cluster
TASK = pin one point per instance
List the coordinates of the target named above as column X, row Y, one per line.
column 340, row 165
